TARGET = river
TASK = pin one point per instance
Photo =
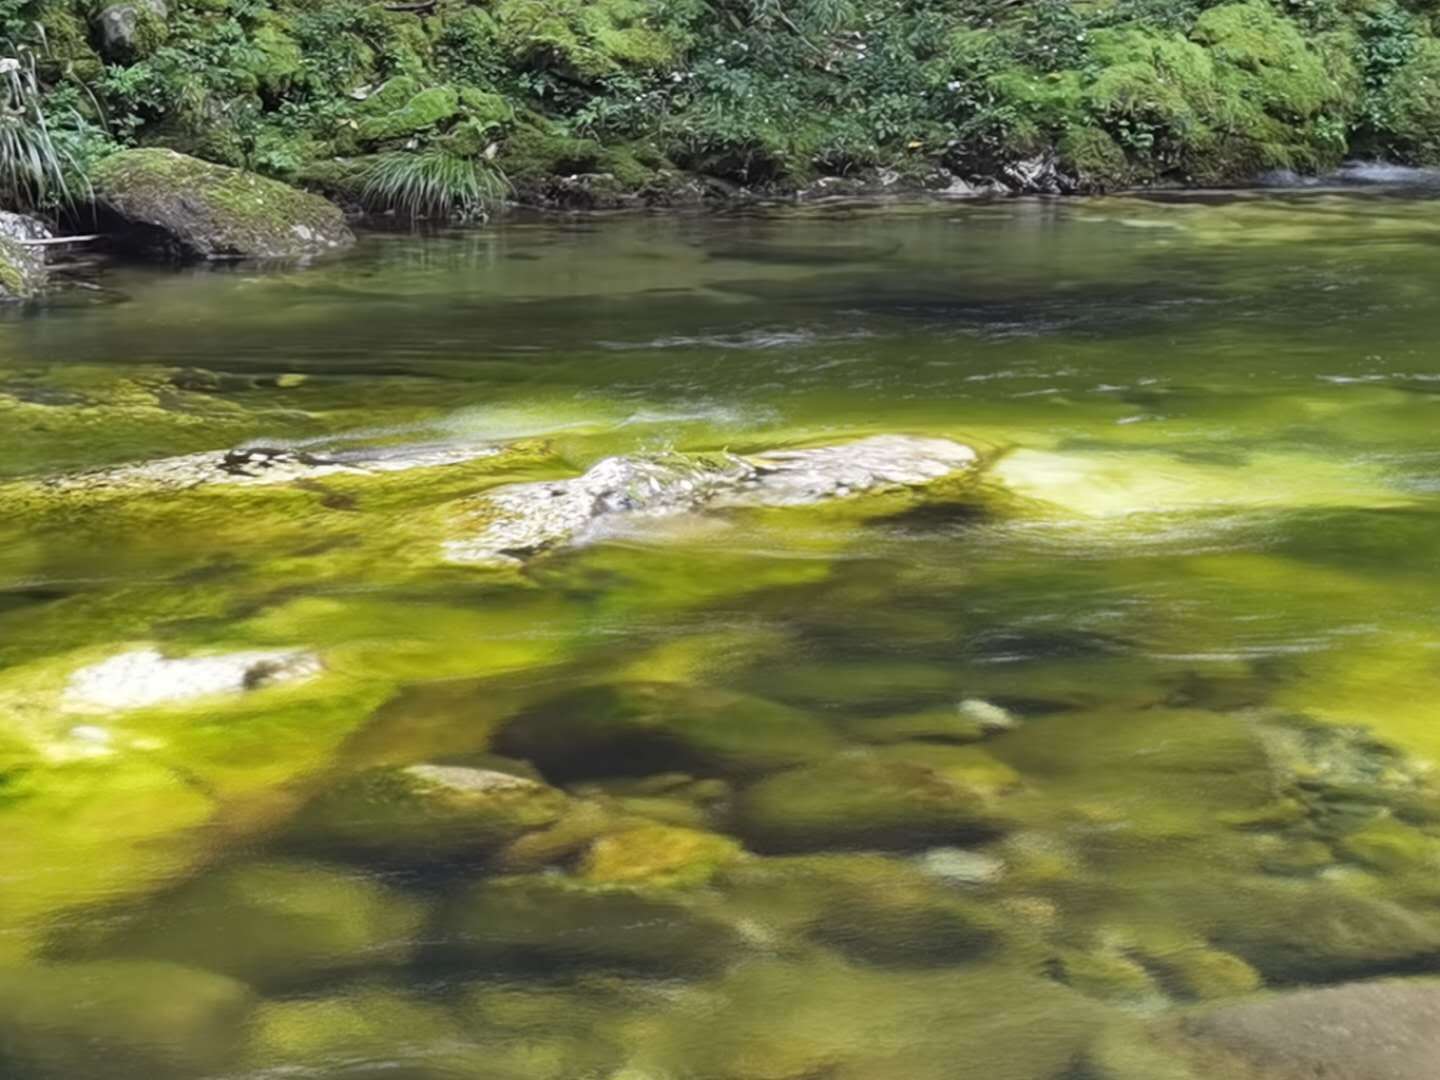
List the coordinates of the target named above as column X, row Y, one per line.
column 999, row 777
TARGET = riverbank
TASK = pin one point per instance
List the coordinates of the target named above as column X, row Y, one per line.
column 444, row 108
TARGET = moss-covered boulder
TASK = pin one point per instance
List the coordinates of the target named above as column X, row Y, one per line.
column 784, row 1019
column 420, row 813
column 277, row 923
column 22, row 266
column 561, row 923
column 119, row 1018
column 1302, row 931
column 131, row 29
column 158, row 202
column 658, row 855
column 871, row 908
column 637, row 728
column 872, row 801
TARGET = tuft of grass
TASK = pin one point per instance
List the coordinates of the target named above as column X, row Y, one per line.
column 33, row 166
column 433, row 184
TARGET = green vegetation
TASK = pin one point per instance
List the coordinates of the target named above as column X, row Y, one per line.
column 427, row 110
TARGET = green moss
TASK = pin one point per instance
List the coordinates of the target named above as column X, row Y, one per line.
column 1413, row 105
column 286, row 922
column 120, row 1018
column 424, row 111
column 210, row 210
column 657, row 855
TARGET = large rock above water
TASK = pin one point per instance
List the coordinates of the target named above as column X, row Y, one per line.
column 159, row 202
column 22, row 266
column 523, row 519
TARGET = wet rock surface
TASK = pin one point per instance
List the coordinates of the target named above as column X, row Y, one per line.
column 522, row 520
column 22, row 266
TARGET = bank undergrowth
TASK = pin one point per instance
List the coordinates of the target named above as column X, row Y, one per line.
column 444, row 106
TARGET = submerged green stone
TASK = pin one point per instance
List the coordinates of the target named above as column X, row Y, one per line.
column 286, row 923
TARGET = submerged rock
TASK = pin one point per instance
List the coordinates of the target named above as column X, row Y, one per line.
column 22, row 266
column 114, row 1018
column 871, row 908
column 1308, row 931
column 558, row 922
column 785, row 1019
column 145, row 677
column 523, row 519
column 871, row 801
column 165, row 203
column 1383, row 1030
column 638, row 728
column 363, row 1033
column 419, row 813
column 277, row 924
column 658, row 856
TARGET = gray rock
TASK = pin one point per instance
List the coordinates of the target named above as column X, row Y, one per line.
column 22, row 266
column 1040, row 175
column 523, row 519
column 1383, row 1030
column 257, row 466
column 131, row 28
column 157, row 202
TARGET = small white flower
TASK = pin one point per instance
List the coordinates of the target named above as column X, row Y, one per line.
column 953, row 85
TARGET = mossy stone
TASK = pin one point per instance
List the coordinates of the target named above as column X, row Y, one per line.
column 563, row 924
column 948, row 725
column 119, row 1018
column 284, row 923
column 649, row 727
column 1108, row 974
column 168, row 203
column 658, row 856
column 781, row 1019
column 866, row 801
column 423, row 813
column 870, row 908
column 369, row 1033
column 1307, row 931
column 1392, row 847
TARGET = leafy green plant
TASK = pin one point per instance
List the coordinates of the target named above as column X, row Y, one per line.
column 433, row 184
column 35, row 169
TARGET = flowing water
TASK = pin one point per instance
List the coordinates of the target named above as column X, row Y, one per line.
column 984, row 780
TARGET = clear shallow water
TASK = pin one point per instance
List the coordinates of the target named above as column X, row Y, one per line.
column 1195, row 576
